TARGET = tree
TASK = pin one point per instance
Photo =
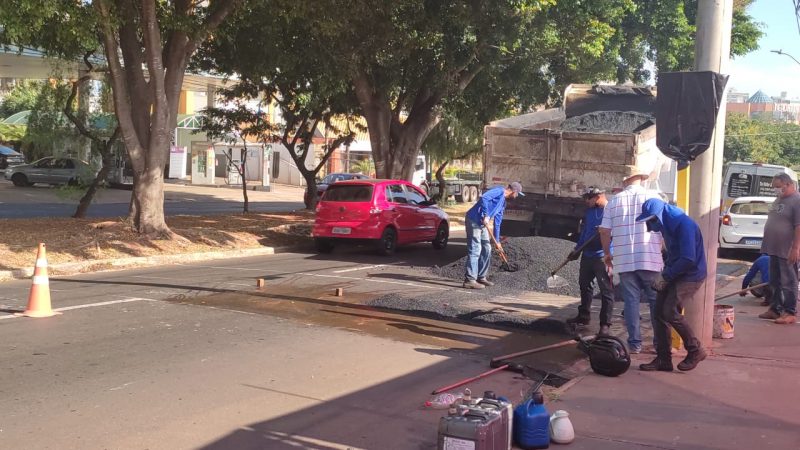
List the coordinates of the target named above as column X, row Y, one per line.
column 761, row 140
column 21, row 98
column 147, row 45
column 262, row 45
column 407, row 60
column 232, row 125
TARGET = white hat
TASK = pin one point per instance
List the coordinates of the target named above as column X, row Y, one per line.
column 634, row 171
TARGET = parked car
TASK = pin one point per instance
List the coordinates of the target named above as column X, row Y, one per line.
column 386, row 213
column 10, row 157
column 331, row 178
column 742, row 225
column 50, row 170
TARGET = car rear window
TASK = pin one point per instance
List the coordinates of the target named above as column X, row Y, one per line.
column 752, row 209
column 348, row 193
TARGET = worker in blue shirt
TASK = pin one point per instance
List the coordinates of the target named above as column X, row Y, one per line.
column 592, row 266
column 759, row 273
column 683, row 275
column 489, row 208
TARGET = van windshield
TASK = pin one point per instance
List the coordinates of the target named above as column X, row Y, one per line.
column 348, row 193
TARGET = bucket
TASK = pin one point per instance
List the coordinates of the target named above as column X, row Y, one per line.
column 723, row 322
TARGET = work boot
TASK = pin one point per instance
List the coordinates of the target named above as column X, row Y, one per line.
column 578, row 320
column 472, row 284
column 770, row 314
column 658, row 364
column 485, row 282
column 604, row 330
column 786, row 319
column 692, row 360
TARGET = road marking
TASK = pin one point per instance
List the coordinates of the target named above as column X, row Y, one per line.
column 153, row 278
column 88, row 305
column 354, row 269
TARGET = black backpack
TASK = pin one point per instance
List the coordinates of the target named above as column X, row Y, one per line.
column 608, row 356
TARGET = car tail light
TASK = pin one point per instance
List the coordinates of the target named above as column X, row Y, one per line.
column 726, row 220
column 318, row 207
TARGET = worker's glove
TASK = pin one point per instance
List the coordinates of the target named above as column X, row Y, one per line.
column 660, row 283
column 573, row 255
column 742, row 294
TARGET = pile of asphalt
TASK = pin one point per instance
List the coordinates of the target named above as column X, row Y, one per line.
column 535, row 258
column 607, row 122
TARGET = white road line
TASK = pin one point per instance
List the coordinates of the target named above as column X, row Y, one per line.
column 89, row 305
column 354, row 269
column 153, row 278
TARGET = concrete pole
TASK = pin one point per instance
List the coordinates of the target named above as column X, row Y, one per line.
column 712, row 50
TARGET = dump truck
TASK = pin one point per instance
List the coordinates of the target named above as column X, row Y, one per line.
column 599, row 135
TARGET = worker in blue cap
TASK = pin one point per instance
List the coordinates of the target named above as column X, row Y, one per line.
column 683, row 274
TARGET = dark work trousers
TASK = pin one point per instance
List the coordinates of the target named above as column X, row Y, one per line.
column 669, row 303
column 595, row 269
column 783, row 280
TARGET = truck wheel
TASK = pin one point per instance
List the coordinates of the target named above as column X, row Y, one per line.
column 442, row 235
column 323, row 245
column 461, row 198
column 387, row 244
column 473, row 193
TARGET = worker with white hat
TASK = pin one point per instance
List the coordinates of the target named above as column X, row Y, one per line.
column 637, row 254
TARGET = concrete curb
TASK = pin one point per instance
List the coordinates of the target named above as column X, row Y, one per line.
column 140, row 261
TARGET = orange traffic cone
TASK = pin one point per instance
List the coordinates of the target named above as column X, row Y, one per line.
column 39, row 300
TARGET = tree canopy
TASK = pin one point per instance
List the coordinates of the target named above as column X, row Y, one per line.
column 761, row 140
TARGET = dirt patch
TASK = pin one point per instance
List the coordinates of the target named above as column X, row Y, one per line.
column 75, row 240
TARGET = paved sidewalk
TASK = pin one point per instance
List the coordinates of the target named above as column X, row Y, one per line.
column 744, row 396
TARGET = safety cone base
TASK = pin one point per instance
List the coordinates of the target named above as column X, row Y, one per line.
column 39, row 314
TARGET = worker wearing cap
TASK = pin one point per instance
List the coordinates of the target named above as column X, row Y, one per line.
column 683, row 274
column 592, row 266
column 489, row 208
column 637, row 254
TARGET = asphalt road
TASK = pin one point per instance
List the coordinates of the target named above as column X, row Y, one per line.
column 44, row 201
column 20, row 211
column 139, row 359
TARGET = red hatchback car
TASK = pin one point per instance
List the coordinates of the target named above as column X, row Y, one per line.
column 387, row 213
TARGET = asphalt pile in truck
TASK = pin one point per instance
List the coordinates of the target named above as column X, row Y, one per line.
column 535, row 256
column 616, row 122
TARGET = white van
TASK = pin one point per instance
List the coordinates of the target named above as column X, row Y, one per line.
column 744, row 179
column 420, row 171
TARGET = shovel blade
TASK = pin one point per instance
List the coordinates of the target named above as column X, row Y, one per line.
column 555, row 282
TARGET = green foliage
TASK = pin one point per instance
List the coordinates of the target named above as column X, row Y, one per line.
column 760, row 140
column 21, row 98
column 365, row 166
column 10, row 133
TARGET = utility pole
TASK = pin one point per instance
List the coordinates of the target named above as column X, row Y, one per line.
column 712, row 50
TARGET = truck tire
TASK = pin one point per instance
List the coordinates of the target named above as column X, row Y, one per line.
column 473, row 193
column 461, row 198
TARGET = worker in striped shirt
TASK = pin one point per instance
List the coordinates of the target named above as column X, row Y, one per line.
column 637, row 254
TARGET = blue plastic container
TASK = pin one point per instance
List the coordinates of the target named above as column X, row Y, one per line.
column 532, row 424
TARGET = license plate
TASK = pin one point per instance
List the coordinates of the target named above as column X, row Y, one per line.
column 752, row 242
column 341, row 230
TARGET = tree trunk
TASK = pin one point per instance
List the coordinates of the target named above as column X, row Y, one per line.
column 311, row 198
column 243, row 173
column 149, row 199
column 86, row 200
column 440, row 178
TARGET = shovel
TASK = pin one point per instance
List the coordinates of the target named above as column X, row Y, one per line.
column 508, row 267
column 555, row 281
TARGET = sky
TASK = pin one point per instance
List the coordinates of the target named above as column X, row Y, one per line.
column 762, row 69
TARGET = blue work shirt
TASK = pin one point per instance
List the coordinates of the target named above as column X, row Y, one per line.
column 686, row 257
column 761, row 265
column 491, row 204
column 591, row 221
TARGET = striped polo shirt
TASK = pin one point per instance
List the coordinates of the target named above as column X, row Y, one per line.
column 634, row 248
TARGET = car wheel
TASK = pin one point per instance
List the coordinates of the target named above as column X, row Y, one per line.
column 74, row 182
column 20, row 180
column 388, row 242
column 442, row 235
column 323, row 245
